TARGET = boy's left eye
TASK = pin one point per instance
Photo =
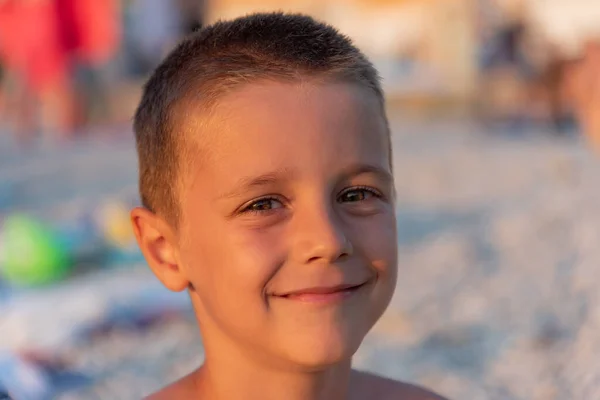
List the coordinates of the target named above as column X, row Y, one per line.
column 354, row 195
column 263, row 205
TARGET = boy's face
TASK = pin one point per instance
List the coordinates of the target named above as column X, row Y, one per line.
column 288, row 230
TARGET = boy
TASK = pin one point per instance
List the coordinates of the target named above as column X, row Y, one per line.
column 266, row 180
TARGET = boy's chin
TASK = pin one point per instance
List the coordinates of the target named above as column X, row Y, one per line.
column 318, row 353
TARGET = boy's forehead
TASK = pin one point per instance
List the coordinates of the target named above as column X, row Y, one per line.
column 265, row 114
column 263, row 97
column 265, row 104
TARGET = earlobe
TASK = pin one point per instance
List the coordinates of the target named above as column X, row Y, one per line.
column 157, row 242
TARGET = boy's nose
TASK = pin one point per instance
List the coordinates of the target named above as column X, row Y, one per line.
column 320, row 236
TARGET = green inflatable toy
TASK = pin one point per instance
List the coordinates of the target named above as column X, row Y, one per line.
column 32, row 253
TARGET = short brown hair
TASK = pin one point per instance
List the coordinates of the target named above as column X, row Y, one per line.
column 288, row 47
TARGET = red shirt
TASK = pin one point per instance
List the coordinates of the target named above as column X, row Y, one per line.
column 40, row 38
column 30, row 42
column 90, row 28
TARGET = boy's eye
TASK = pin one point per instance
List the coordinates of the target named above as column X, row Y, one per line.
column 357, row 194
column 263, row 205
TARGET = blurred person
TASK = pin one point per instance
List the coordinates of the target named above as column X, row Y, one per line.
column 45, row 44
column 582, row 80
column 571, row 76
column 2, row 94
column 505, row 47
column 36, row 63
column 91, row 33
column 527, row 73
column 507, row 71
column 266, row 178
column 156, row 26
column 551, row 81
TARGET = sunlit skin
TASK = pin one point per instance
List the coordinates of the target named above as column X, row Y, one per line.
column 286, row 240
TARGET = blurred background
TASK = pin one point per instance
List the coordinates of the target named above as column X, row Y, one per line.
column 495, row 111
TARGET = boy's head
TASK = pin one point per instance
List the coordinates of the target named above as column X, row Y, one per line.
column 217, row 60
column 265, row 172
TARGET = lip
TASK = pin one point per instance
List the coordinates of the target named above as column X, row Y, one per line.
column 322, row 294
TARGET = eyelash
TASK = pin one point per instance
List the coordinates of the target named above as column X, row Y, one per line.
column 248, row 208
column 370, row 190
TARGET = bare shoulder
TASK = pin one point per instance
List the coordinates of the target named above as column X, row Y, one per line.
column 181, row 389
column 382, row 388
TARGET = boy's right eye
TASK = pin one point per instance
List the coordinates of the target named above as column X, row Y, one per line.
column 263, row 205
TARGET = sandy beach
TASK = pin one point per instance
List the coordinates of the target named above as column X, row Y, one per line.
column 498, row 293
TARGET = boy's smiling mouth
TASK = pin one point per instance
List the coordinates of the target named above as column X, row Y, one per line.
column 322, row 294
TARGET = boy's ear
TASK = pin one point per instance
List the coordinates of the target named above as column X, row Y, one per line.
column 159, row 246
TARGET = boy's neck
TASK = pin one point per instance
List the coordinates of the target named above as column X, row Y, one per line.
column 222, row 378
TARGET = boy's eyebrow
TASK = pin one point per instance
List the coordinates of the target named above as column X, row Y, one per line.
column 359, row 169
column 248, row 182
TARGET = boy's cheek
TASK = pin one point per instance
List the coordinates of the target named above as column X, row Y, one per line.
column 242, row 260
column 377, row 237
